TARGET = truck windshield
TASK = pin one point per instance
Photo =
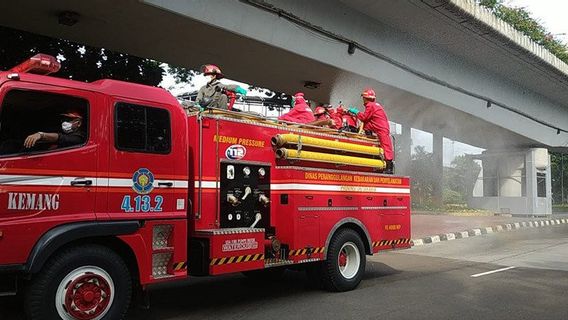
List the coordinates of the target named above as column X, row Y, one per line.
column 50, row 121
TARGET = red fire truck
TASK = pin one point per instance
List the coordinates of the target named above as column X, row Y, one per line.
column 147, row 191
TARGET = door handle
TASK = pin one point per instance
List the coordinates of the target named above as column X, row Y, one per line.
column 82, row 182
column 165, row 184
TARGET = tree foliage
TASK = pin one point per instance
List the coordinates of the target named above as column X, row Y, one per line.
column 423, row 177
column 460, row 178
column 81, row 62
column 559, row 172
column 522, row 20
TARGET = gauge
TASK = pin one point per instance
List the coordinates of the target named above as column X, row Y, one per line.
column 261, row 172
column 246, row 171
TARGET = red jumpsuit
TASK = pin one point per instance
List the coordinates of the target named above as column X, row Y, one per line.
column 301, row 113
column 375, row 119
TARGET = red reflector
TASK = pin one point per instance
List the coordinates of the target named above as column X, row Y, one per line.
column 38, row 64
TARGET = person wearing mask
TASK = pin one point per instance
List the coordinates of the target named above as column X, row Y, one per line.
column 375, row 119
column 71, row 133
column 300, row 112
column 214, row 94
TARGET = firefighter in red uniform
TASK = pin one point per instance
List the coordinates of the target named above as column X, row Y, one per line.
column 348, row 122
column 300, row 112
column 375, row 119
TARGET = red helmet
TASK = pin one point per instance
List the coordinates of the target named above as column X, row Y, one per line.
column 369, row 94
column 72, row 114
column 319, row 110
column 211, row 69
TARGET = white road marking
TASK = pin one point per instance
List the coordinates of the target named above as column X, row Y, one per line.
column 490, row 272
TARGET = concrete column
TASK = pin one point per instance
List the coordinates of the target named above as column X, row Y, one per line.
column 549, row 187
column 402, row 160
column 438, row 157
column 531, row 181
column 510, row 172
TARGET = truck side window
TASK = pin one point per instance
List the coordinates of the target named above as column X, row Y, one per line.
column 142, row 129
column 53, row 121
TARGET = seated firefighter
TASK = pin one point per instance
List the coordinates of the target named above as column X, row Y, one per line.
column 71, row 133
column 300, row 112
column 214, row 93
column 326, row 116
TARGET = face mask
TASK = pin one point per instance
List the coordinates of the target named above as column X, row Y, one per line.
column 67, row 127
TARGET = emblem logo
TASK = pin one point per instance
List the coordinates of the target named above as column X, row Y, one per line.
column 143, row 181
column 235, row 152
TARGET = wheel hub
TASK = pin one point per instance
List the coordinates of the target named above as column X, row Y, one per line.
column 349, row 260
column 342, row 259
column 85, row 294
column 86, row 297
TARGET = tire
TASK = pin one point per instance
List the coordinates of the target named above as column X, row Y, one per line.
column 345, row 264
column 265, row 275
column 87, row 282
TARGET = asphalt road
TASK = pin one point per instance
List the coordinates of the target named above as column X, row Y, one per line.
column 446, row 280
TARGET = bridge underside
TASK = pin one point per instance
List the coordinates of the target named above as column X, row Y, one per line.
column 146, row 31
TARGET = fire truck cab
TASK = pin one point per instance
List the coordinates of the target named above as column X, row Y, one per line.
column 147, row 192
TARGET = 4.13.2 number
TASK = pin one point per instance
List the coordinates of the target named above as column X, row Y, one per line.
column 142, row 204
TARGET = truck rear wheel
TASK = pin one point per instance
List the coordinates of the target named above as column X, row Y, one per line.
column 89, row 282
column 345, row 264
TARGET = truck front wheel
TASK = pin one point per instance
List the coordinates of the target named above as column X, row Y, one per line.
column 89, row 282
column 345, row 264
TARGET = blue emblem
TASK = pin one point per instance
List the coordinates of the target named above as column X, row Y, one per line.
column 143, row 181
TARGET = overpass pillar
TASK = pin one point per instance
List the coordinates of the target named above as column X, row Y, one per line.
column 403, row 147
column 438, row 163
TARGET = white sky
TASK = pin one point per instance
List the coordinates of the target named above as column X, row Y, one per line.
column 551, row 13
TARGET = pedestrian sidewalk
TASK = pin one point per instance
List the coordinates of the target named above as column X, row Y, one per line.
column 435, row 228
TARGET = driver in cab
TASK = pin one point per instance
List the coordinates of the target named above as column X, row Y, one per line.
column 71, row 133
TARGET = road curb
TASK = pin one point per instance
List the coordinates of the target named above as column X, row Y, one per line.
column 487, row 230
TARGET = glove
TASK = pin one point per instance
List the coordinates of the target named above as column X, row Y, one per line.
column 353, row 111
column 241, row 91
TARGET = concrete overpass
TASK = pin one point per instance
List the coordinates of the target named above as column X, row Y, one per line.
column 443, row 66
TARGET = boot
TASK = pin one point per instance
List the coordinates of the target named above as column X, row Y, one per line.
column 390, row 167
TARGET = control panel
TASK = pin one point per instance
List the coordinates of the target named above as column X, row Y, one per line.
column 245, row 195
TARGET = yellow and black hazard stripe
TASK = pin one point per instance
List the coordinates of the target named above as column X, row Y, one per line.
column 180, row 266
column 236, row 259
column 300, row 252
column 390, row 242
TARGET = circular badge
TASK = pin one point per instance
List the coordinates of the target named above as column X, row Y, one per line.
column 143, row 181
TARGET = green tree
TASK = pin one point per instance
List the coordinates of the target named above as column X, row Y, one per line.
column 81, row 62
column 559, row 172
column 461, row 176
column 522, row 20
column 423, row 177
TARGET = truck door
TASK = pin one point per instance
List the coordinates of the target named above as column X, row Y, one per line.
column 49, row 181
column 142, row 179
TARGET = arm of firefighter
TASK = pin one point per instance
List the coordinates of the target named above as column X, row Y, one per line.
column 42, row 137
column 235, row 88
column 199, row 96
column 366, row 115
